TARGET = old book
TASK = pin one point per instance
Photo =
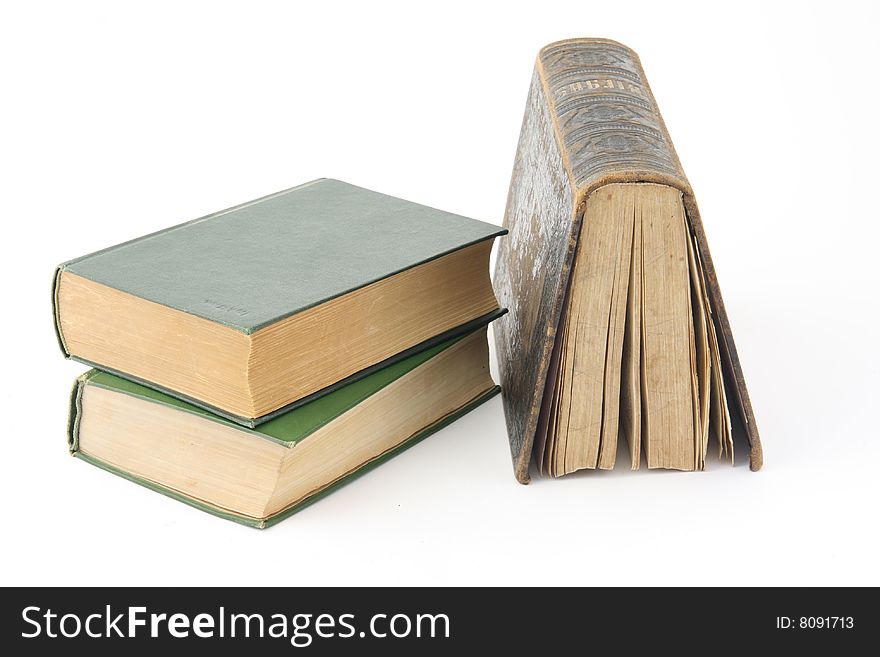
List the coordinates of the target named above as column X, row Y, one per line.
column 616, row 324
column 260, row 476
column 254, row 309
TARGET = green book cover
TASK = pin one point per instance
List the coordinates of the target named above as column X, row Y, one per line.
column 287, row 429
column 259, row 262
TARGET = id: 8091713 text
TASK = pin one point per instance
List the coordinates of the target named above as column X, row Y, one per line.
column 815, row 622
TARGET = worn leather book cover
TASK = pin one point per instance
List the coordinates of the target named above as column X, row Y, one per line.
column 590, row 120
column 286, row 430
column 252, row 266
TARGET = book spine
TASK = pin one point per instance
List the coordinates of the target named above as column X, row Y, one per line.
column 56, row 317
column 75, row 410
column 606, row 119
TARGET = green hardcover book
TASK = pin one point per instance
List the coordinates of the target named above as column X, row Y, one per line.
column 260, row 476
column 253, row 310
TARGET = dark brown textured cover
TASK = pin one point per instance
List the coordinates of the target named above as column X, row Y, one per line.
column 590, row 120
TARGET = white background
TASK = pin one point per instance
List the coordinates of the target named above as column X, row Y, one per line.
column 118, row 121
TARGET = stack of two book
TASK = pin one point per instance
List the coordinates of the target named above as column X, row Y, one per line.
column 253, row 360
